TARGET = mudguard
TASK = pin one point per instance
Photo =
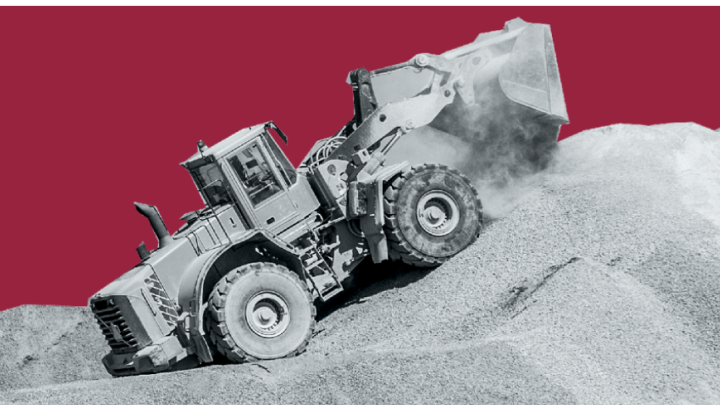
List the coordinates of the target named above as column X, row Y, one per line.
column 193, row 289
column 373, row 221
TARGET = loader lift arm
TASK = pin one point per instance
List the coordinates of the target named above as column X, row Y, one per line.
column 452, row 76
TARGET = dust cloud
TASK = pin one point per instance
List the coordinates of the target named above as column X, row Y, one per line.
column 502, row 146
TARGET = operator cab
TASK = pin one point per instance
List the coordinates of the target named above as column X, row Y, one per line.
column 249, row 172
column 255, row 174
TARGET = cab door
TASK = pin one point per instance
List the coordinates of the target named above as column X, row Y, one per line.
column 261, row 185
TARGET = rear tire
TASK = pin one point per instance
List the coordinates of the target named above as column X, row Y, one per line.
column 432, row 212
column 260, row 311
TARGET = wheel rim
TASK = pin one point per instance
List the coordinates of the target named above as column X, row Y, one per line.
column 267, row 314
column 438, row 213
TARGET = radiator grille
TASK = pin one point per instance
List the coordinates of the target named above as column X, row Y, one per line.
column 113, row 326
column 165, row 304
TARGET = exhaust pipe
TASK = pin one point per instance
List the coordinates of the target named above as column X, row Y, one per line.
column 158, row 226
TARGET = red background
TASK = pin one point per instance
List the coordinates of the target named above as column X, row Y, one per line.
column 99, row 105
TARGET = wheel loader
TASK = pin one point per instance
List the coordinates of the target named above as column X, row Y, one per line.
column 240, row 279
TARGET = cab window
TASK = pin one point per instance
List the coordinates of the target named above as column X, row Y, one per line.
column 209, row 181
column 255, row 174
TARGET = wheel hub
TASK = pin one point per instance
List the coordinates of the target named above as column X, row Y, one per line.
column 438, row 213
column 267, row 314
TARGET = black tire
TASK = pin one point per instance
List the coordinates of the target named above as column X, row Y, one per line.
column 207, row 327
column 449, row 220
column 260, row 311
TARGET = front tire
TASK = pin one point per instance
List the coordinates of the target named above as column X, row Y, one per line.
column 432, row 212
column 260, row 311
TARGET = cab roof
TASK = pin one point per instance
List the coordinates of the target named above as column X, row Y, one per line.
column 225, row 146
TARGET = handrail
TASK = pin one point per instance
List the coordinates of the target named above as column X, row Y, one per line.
column 212, row 208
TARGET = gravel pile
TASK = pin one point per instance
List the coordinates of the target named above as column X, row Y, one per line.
column 42, row 345
column 600, row 287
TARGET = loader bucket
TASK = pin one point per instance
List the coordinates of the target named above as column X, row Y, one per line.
column 518, row 86
column 531, row 77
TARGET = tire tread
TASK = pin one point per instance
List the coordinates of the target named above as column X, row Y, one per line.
column 219, row 332
column 400, row 248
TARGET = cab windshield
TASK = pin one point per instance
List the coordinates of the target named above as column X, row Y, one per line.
column 209, row 181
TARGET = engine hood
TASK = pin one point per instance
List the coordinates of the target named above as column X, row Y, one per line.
column 128, row 283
